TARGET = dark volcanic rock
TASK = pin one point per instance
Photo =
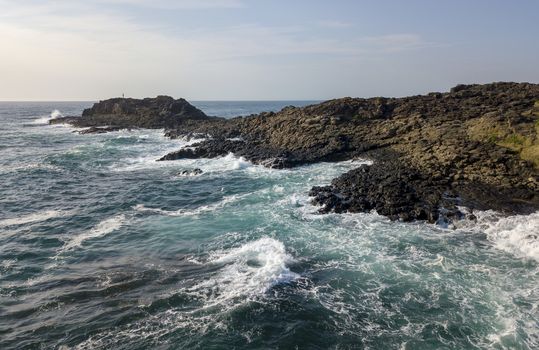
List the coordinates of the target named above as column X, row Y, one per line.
column 152, row 113
column 206, row 149
column 190, row 172
column 477, row 145
column 257, row 154
column 99, row 130
column 398, row 192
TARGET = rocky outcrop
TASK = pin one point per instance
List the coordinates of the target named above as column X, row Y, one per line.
column 152, row 113
column 476, row 145
column 257, row 153
column 99, row 130
column 390, row 189
column 401, row 192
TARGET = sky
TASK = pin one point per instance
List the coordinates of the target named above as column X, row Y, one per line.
column 261, row 49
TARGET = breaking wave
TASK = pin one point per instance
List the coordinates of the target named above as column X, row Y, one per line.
column 517, row 234
column 251, row 269
column 247, row 273
column 45, row 119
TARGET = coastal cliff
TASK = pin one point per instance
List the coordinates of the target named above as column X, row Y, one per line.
column 476, row 146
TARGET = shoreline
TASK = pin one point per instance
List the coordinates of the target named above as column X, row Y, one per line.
column 475, row 146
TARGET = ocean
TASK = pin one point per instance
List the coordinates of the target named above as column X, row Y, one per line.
column 102, row 247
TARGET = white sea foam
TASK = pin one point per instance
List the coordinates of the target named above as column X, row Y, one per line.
column 518, row 234
column 148, row 160
column 238, row 162
column 152, row 147
column 32, row 218
column 29, row 166
column 248, row 272
column 138, row 163
column 226, row 163
column 278, row 189
column 187, row 212
column 235, row 139
column 150, row 330
column 103, row 228
column 45, row 119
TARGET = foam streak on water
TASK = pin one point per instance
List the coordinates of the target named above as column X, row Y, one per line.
column 31, row 218
column 105, row 248
column 103, row 228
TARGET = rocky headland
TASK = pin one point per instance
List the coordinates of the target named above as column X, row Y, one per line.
column 128, row 113
column 476, row 146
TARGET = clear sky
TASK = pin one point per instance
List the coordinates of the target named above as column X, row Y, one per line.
column 261, row 49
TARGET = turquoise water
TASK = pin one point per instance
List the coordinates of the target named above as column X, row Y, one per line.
column 104, row 248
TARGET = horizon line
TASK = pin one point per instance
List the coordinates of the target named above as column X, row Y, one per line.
column 443, row 90
column 189, row 100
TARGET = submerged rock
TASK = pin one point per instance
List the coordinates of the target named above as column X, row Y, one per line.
column 190, row 172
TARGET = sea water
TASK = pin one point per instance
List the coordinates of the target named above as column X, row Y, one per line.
column 102, row 247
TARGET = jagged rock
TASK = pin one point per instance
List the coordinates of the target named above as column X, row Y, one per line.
column 398, row 192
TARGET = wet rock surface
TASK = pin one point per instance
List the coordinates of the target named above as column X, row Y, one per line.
column 392, row 190
column 99, row 130
column 190, row 172
column 476, row 145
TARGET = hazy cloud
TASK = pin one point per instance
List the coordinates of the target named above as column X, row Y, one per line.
column 54, row 49
column 328, row 23
column 179, row 4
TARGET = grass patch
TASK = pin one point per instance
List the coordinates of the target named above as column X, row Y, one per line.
column 522, row 139
column 515, row 139
column 493, row 137
column 531, row 154
column 526, row 147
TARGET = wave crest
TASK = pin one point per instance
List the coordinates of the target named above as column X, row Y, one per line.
column 249, row 271
column 516, row 234
column 45, row 119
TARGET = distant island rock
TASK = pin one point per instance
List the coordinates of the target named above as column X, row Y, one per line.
column 475, row 146
column 121, row 113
